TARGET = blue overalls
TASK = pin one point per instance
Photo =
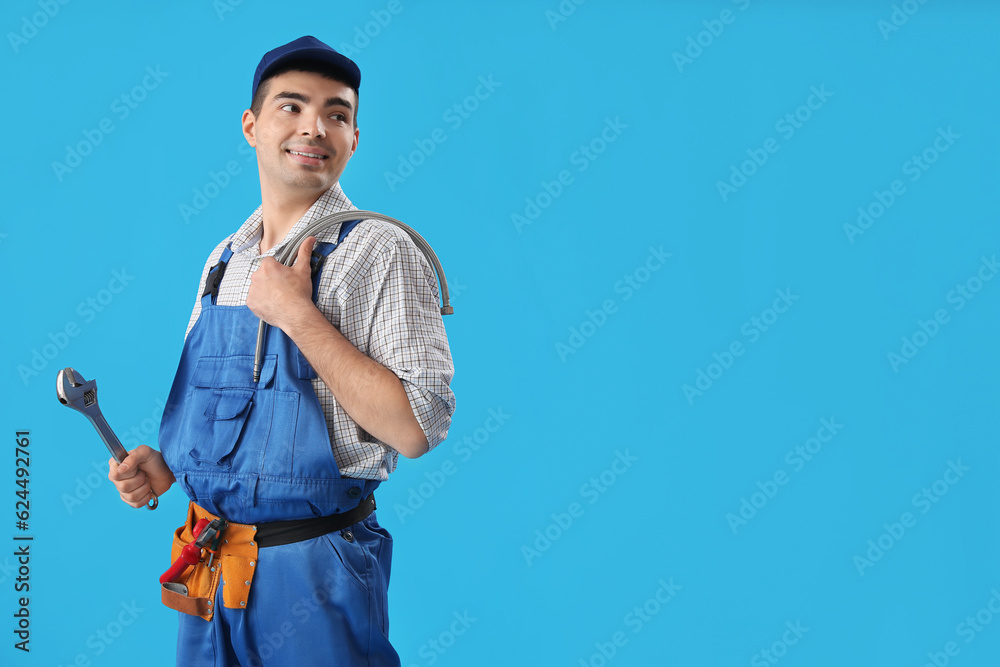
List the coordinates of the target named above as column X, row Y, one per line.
column 260, row 452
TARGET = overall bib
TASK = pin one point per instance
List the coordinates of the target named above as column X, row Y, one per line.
column 260, row 452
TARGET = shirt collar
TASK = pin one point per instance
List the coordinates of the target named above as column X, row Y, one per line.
column 248, row 236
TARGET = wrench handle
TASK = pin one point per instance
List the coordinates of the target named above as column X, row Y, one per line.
column 114, row 446
column 111, row 440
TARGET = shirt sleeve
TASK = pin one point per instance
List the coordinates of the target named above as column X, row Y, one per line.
column 405, row 332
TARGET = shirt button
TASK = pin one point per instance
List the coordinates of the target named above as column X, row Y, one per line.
column 348, row 535
column 353, row 492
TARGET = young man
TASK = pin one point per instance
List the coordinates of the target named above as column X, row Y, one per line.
column 300, row 571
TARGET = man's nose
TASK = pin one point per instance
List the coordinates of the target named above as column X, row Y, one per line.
column 312, row 125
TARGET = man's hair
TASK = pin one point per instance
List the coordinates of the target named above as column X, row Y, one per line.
column 324, row 70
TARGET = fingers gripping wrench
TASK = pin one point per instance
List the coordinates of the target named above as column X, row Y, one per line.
column 81, row 395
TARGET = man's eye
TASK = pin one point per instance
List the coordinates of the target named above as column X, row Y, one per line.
column 288, row 107
column 340, row 117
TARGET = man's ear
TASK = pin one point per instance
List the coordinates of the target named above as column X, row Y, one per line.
column 250, row 128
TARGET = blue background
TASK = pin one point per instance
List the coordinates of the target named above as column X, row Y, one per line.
column 584, row 370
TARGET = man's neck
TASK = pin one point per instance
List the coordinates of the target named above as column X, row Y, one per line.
column 279, row 214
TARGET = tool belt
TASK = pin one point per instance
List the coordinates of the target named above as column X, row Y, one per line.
column 234, row 555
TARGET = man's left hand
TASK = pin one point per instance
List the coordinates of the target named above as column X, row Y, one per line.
column 278, row 292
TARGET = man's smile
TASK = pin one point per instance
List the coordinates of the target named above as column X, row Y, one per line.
column 310, row 156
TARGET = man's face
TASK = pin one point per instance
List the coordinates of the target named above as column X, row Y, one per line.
column 304, row 133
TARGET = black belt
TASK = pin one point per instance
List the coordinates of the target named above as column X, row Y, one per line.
column 275, row 533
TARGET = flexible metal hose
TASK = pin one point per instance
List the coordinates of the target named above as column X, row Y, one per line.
column 288, row 253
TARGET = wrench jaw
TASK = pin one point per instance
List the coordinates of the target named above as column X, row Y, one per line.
column 81, row 395
column 75, row 392
column 64, row 382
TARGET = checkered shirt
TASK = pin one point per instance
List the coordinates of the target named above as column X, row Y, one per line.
column 380, row 292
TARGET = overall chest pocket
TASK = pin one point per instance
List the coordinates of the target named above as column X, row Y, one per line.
column 225, row 401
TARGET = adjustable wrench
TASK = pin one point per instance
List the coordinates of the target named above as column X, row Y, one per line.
column 81, row 395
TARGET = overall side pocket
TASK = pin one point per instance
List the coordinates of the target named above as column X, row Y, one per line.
column 226, row 412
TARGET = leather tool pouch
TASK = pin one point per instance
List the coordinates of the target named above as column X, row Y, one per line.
column 236, row 560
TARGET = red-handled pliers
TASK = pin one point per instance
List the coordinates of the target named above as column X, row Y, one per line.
column 204, row 532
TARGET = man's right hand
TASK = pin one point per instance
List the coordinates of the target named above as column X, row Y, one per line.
column 143, row 471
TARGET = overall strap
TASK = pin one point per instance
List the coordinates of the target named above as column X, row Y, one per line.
column 322, row 249
column 214, row 278
column 319, row 254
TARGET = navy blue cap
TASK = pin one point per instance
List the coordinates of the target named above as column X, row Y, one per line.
column 307, row 48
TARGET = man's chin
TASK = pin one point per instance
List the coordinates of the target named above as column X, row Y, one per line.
column 310, row 183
